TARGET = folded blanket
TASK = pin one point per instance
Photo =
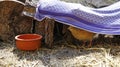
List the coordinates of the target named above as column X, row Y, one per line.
column 102, row 20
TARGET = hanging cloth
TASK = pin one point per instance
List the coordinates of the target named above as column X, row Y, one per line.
column 102, row 20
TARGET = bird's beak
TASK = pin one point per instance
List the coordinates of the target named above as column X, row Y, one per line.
column 69, row 28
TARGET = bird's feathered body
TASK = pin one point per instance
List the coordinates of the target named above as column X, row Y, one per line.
column 81, row 34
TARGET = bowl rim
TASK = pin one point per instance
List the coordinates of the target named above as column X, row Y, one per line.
column 17, row 37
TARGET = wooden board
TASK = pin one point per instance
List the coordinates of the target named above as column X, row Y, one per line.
column 11, row 20
column 46, row 29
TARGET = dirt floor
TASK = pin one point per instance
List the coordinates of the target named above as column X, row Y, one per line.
column 61, row 55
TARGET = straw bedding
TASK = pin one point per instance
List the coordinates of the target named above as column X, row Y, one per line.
column 61, row 55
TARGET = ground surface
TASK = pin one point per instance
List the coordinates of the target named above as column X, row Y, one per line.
column 60, row 56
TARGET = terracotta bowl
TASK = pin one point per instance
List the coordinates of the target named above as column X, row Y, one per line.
column 28, row 41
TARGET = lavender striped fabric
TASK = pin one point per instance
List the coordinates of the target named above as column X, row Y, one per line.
column 103, row 20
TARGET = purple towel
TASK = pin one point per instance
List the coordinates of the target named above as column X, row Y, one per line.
column 103, row 20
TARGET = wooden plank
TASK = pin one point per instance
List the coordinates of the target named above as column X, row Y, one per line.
column 46, row 29
column 11, row 20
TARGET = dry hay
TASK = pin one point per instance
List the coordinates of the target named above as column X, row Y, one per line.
column 60, row 56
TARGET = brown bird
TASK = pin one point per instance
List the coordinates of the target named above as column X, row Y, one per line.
column 82, row 35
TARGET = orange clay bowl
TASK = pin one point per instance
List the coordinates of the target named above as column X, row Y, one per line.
column 28, row 41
